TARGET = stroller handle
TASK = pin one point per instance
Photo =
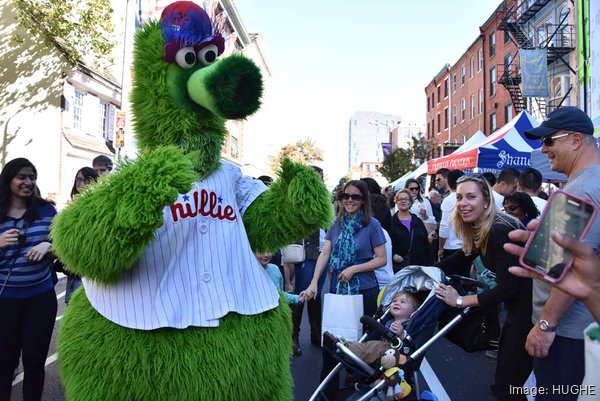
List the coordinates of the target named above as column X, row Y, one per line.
column 381, row 329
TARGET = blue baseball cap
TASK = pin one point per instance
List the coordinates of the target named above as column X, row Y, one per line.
column 566, row 118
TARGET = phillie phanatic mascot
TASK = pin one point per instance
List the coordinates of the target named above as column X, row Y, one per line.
column 176, row 306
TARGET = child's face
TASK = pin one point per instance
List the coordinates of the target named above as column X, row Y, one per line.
column 401, row 307
column 264, row 258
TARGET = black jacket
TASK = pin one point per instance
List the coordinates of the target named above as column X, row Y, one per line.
column 413, row 246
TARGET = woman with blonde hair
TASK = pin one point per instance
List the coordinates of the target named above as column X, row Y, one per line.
column 484, row 232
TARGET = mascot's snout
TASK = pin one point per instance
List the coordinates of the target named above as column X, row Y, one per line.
column 230, row 88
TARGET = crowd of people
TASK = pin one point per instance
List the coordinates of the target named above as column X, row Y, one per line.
column 464, row 224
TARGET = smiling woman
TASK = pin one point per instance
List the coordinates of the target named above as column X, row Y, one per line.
column 27, row 298
column 484, row 232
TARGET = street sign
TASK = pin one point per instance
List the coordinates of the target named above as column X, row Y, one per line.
column 120, row 122
column 120, row 138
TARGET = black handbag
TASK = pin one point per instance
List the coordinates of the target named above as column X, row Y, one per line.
column 477, row 329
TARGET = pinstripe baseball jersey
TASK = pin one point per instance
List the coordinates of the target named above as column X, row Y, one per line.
column 200, row 266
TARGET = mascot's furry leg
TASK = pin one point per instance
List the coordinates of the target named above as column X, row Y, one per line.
column 165, row 364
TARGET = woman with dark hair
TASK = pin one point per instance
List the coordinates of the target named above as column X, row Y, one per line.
column 354, row 247
column 421, row 207
column 27, row 299
column 379, row 204
column 84, row 177
column 521, row 206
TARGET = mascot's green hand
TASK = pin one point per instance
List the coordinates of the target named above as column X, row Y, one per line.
column 307, row 193
column 294, row 207
column 154, row 181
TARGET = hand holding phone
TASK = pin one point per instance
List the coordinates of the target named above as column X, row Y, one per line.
column 570, row 216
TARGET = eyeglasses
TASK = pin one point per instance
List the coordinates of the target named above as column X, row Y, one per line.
column 403, row 200
column 354, row 197
column 549, row 140
column 413, row 188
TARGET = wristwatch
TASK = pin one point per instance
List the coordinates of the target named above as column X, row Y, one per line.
column 459, row 302
column 545, row 326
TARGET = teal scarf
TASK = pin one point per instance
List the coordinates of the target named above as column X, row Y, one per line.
column 344, row 252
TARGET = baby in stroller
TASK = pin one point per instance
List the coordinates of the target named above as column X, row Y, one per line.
column 409, row 294
column 403, row 305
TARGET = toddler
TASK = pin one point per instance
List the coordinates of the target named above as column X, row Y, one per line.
column 275, row 275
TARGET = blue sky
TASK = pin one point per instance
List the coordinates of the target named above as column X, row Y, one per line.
column 330, row 58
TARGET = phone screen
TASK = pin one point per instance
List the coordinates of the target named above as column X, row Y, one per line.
column 567, row 215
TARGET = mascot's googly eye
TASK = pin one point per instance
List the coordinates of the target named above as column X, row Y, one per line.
column 208, row 54
column 186, row 57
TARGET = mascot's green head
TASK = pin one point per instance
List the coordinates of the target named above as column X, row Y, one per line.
column 182, row 91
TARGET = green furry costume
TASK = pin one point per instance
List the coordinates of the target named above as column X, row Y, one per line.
column 180, row 99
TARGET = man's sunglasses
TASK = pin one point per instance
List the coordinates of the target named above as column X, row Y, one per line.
column 354, row 197
column 549, row 140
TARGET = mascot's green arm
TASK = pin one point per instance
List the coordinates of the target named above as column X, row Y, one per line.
column 105, row 230
column 294, row 207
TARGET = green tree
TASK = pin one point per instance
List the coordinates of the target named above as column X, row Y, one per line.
column 397, row 163
column 421, row 149
column 78, row 28
column 303, row 151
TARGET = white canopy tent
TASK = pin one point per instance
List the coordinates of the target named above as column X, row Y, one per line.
column 470, row 143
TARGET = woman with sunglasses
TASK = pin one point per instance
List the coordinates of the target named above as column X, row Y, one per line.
column 84, row 177
column 410, row 242
column 484, row 232
column 521, row 206
column 421, row 206
column 354, row 247
column 27, row 298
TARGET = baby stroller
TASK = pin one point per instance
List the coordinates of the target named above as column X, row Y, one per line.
column 420, row 329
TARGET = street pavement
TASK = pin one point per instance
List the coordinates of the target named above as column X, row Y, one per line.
column 449, row 372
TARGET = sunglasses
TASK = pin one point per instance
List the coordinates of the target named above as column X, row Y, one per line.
column 472, row 177
column 549, row 140
column 413, row 189
column 354, row 197
column 403, row 200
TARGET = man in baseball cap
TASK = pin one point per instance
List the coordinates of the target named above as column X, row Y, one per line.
column 566, row 118
column 556, row 341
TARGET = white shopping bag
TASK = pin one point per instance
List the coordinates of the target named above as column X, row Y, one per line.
column 341, row 316
column 590, row 388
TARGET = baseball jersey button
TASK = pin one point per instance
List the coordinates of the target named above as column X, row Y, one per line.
column 203, row 228
column 206, row 277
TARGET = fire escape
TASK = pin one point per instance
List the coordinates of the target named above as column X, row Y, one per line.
column 557, row 39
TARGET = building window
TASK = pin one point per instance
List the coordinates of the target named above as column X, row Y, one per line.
column 479, row 59
column 428, row 131
column 78, row 109
column 103, row 119
column 463, row 74
column 471, row 67
column 439, row 120
column 453, row 83
column 234, row 148
column 492, row 81
column 506, row 37
column 480, row 101
column 432, row 100
column 492, row 44
column 446, row 119
column 508, row 112
column 432, row 126
column 472, row 107
column 445, row 87
column 492, row 123
column 508, row 63
column 463, row 109
column 439, row 92
column 454, row 116
column 427, row 103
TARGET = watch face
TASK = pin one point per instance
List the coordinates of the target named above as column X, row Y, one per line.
column 543, row 325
